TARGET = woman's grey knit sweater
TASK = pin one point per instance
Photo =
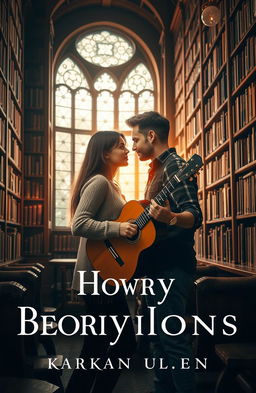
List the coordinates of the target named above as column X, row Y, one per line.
column 100, row 203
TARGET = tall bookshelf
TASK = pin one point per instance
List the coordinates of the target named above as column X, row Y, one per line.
column 215, row 89
column 38, row 142
column 11, row 132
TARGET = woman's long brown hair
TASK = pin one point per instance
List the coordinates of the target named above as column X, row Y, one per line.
column 94, row 162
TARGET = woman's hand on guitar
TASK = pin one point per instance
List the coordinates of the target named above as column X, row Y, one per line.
column 127, row 229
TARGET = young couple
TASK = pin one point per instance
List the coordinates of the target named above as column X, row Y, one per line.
column 97, row 201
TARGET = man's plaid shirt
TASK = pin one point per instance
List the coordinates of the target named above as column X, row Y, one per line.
column 173, row 240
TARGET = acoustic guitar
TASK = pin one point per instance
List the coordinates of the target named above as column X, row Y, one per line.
column 118, row 257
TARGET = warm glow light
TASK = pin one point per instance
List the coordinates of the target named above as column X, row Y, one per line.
column 210, row 14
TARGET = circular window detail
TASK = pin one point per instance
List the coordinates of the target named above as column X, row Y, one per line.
column 105, row 48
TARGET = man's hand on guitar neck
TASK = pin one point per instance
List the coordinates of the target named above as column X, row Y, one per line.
column 164, row 214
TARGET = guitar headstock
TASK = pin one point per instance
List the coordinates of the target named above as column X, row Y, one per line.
column 190, row 168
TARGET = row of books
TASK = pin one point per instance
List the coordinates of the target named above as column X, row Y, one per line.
column 15, row 116
column 2, row 132
column 15, row 40
column 33, row 214
column 13, row 209
column 33, row 243
column 178, row 85
column 13, row 250
column 199, row 243
column 244, row 107
column 246, row 249
column 194, row 126
column 217, row 168
column 193, row 54
column 2, row 168
column 243, row 62
column 219, row 244
column 178, row 68
column 63, row 242
column 179, row 101
column 190, row 7
column 193, row 26
column 34, row 97
column 192, row 77
column 3, row 57
column 14, row 181
column 209, row 35
column 33, row 165
column 216, row 134
column 34, row 121
column 3, row 19
column 15, row 80
column 245, row 149
column 2, row 244
column 181, row 143
column 215, row 62
column 33, row 190
column 242, row 20
column 3, row 89
column 34, row 143
column 216, row 98
column 2, row 202
column 193, row 99
column 196, row 149
column 14, row 150
column 178, row 37
column 218, row 203
column 245, row 192
column 179, row 121
column 15, row 8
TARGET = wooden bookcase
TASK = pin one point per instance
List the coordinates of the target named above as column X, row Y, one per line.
column 11, row 130
column 215, row 116
column 37, row 139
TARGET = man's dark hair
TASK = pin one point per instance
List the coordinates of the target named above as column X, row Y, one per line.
column 151, row 121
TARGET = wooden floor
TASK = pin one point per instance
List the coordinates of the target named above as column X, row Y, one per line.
column 137, row 379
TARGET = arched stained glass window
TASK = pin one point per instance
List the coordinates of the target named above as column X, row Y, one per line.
column 105, row 82
column 105, row 48
column 138, row 79
column 87, row 101
column 63, row 107
column 69, row 74
column 83, row 110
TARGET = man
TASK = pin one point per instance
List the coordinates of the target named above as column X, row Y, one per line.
column 172, row 255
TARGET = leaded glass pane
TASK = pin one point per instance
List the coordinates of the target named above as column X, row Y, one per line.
column 61, row 217
column 83, row 110
column 62, row 177
column 105, row 82
column 146, row 101
column 63, row 107
column 81, row 142
column 126, row 109
column 105, row 111
column 62, row 161
column 63, row 141
column 138, row 79
column 70, row 74
column 105, row 48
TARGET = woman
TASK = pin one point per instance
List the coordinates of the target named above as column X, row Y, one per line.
column 96, row 201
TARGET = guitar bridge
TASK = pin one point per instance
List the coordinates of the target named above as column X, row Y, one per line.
column 113, row 252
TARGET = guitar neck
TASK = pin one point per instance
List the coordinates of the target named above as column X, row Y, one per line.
column 160, row 199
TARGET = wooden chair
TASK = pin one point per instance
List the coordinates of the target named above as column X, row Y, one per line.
column 223, row 296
